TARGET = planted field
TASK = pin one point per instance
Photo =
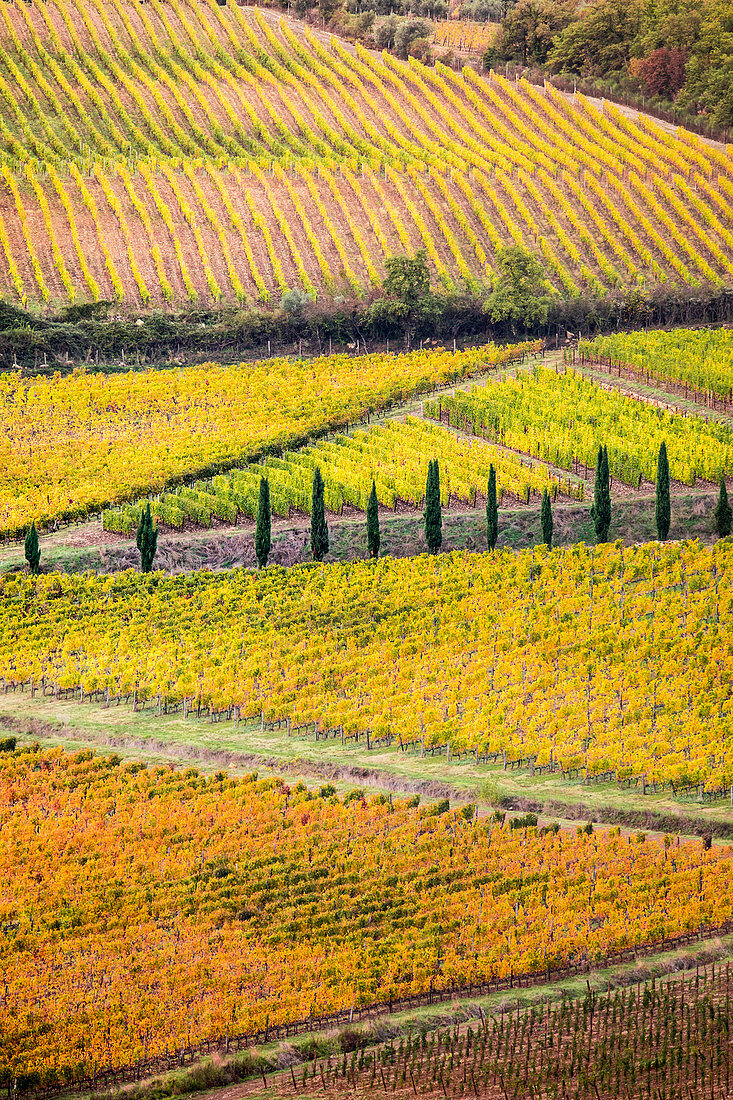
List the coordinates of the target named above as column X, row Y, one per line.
column 564, row 419
column 202, row 152
column 72, row 446
column 698, row 359
column 153, row 909
column 666, row 1041
column 605, row 662
column 464, row 35
column 395, row 455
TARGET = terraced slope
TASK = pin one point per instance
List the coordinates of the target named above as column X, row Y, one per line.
column 183, row 151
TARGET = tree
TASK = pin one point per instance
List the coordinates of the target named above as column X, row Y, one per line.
column 147, row 540
column 407, row 278
column 32, row 549
column 530, row 26
column 546, row 519
column 662, row 73
column 408, row 304
column 433, row 516
column 492, row 510
column 722, row 512
column 598, row 42
column 327, row 9
column 601, row 510
column 319, row 528
column 372, row 517
column 708, row 35
column 385, row 32
column 263, row 528
column 294, row 302
column 520, row 294
column 408, row 32
column 663, row 505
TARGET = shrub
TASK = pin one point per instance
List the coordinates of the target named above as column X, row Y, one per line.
column 408, row 32
column 293, row 302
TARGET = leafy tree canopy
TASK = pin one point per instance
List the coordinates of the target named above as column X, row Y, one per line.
column 520, row 295
column 531, row 26
column 407, row 278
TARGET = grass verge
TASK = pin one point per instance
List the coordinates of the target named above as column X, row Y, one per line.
column 171, row 739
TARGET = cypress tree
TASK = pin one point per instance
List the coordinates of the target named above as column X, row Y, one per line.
column 32, row 549
column 372, row 518
column 147, row 540
column 319, row 528
column 722, row 511
column 601, row 510
column 492, row 510
column 546, row 519
column 433, row 516
column 141, row 529
column 663, row 507
column 262, row 530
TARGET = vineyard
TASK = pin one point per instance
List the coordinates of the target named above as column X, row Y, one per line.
column 564, row 418
column 665, row 1040
column 609, row 663
column 153, row 909
column 464, row 35
column 698, row 359
column 211, row 153
column 73, row 446
column 185, row 156
column 395, row 455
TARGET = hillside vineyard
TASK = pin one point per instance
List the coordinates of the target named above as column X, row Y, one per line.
column 205, row 152
column 71, row 445
column 562, row 418
column 154, row 909
column 609, row 661
column 700, row 359
column 395, row 455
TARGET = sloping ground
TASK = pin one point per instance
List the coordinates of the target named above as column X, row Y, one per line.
column 213, row 153
column 159, row 912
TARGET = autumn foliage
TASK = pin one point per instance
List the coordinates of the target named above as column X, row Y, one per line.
column 608, row 661
column 144, row 909
column 71, row 446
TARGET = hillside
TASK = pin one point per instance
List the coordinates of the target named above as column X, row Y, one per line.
column 206, row 907
column 178, row 152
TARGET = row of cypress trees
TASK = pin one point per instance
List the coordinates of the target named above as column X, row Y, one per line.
column 433, row 515
column 319, row 527
column 601, row 509
column 433, row 519
column 147, row 532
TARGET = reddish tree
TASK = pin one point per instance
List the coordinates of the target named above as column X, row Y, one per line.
column 662, row 73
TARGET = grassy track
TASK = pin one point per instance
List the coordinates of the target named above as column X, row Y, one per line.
column 169, row 739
